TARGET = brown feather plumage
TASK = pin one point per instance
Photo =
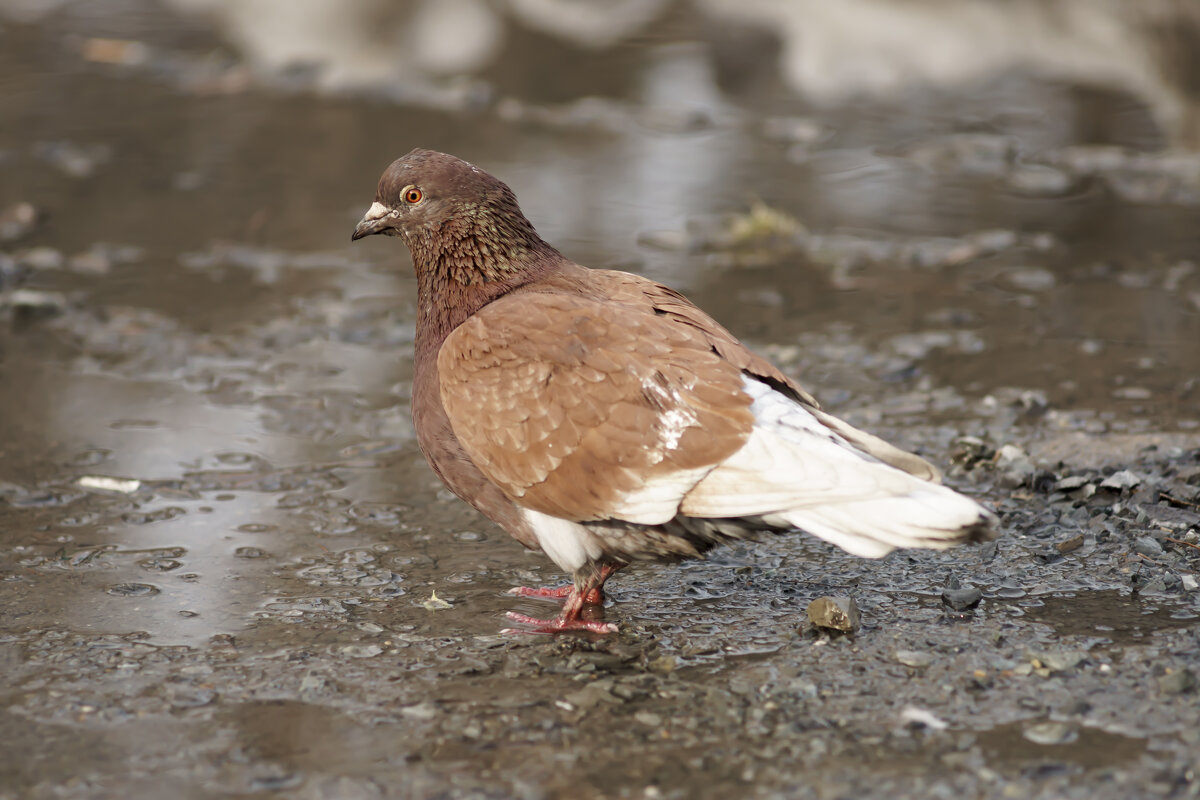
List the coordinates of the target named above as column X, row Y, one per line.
column 583, row 410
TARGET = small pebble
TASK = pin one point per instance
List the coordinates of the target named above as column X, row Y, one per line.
column 1050, row 733
column 420, row 711
column 834, row 613
column 648, row 718
column 962, row 599
column 41, row 258
column 36, row 303
column 1070, row 545
column 1031, row 279
column 1070, row 482
column 361, row 650
column 16, row 221
column 1120, row 480
column 1060, row 660
column 914, row 658
column 1148, row 546
column 1177, row 682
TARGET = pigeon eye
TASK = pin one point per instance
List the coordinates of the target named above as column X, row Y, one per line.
column 413, row 195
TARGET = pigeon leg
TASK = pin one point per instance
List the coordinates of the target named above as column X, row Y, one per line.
column 585, row 592
column 594, row 598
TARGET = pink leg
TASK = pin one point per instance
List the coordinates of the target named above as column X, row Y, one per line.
column 594, row 598
column 576, row 598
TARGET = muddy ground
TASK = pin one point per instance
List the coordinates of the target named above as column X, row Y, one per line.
column 220, row 548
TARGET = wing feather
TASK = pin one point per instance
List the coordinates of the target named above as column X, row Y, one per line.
column 603, row 410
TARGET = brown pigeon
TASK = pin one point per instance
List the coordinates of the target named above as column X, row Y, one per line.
column 602, row 418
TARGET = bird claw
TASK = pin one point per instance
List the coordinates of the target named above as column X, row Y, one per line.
column 557, row 625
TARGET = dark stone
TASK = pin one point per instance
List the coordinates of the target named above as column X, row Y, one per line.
column 962, row 599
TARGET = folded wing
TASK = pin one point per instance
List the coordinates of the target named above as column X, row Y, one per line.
column 636, row 406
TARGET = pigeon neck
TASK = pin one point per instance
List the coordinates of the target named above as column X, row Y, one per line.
column 483, row 251
column 445, row 301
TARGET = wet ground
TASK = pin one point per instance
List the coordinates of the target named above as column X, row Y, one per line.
column 226, row 571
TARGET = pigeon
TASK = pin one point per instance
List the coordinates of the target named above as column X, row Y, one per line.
column 602, row 418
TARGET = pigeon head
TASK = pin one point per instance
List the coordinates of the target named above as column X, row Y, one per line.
column 455, row 218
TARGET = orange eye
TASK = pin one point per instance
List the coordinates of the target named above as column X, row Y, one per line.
column 413, row 196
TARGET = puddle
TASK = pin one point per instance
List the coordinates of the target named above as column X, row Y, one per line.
column 1117, row 617
column 1010, row 747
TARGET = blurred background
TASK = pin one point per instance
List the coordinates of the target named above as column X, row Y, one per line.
column 1027, row 169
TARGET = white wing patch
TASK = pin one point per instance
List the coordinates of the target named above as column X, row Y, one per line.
column 795, row 469
column 657, row 500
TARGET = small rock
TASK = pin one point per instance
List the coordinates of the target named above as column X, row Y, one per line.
column 1083, row 492
column 16, row 221
column 1177, row 681
column 1031, row 279
column 912, row 715
column 1189, row 583
column 662, row 664
column 35, row 303
column 1148, row 546
column 962, row 599
column 1120, row 480
column 914, row 658
column 421, row 711
column 649, row 719
column 361, row 650
column 834, row 613
column 1040, row 180
column 1070, row 545
column 591, row 695
column 312, row 683
column 1008, row 455
column 109, row 484
column 988, row 551
column 1069, row 483
column 1014, row 465
column 1059, row 660
column 41, row 258
column 1050, row 733
column 114, row 51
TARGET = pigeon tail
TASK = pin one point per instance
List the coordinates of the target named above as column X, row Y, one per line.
column 795, row 470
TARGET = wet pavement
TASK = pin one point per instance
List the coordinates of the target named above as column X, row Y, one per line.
column 225, row 569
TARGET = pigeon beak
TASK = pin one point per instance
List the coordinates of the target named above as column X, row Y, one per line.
column 374, row 221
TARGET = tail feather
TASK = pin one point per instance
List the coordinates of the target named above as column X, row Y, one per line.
column 798, row 469
column 875, row 527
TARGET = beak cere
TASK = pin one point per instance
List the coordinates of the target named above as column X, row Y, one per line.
column 374, row 221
